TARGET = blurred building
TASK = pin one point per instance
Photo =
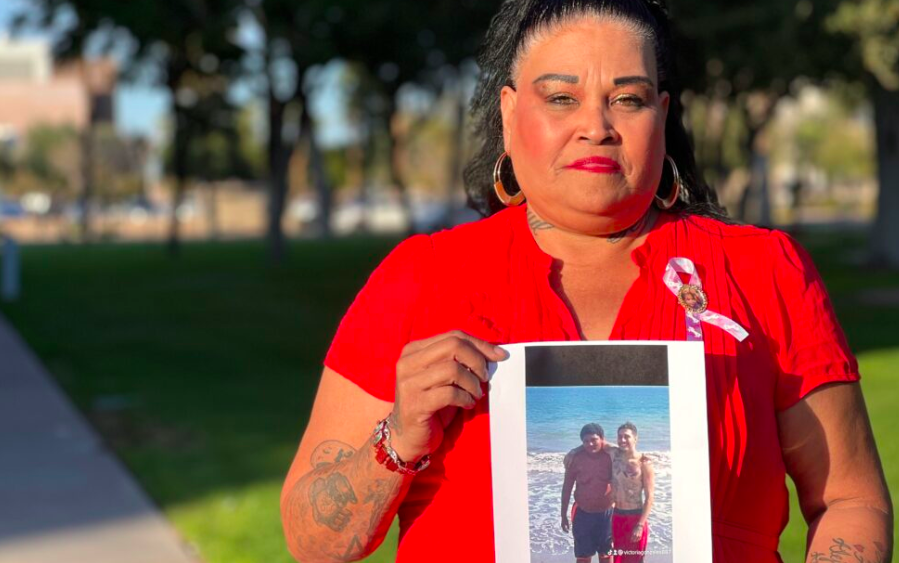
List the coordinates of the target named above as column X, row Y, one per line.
column 35, row 91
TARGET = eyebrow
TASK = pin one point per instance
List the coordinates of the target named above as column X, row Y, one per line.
column 569, row 78
column 625, row 80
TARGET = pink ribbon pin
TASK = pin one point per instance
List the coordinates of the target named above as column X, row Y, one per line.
column 695, row 302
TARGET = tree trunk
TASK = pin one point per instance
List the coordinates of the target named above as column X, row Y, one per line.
column 278, row 160
column 87, row 158
column 365, row 189
column 716, row 165
column 175, row 69
column 755, row 202
column 796, row 192
column 759, row 172
column 87, row 181
column 395, row 151
column 708, row 140
column 746, row 202
column 356, row 178
column 212, row 215
column 755, row 205
column 884, row 247
column 319, row 175
column 180, row 149
column 454, row 177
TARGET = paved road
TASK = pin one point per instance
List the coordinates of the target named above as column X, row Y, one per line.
column 64, row 497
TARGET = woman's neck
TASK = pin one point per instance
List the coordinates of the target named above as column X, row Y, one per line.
column 581, row 250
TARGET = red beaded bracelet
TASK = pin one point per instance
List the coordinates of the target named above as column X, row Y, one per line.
column 386, row 456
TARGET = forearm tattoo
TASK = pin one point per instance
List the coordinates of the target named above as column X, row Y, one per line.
column 329, row 497
column 326, row 518
column 329, row 453
column 841, row 551
column 379, row 495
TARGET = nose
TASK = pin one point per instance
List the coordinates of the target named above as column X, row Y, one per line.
column 596, row 126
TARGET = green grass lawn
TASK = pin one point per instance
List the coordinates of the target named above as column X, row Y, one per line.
column 200, row 371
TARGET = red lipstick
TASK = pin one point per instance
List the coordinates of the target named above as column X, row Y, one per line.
column 596, row 164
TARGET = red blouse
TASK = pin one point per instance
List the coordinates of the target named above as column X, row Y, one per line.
column 491, row 280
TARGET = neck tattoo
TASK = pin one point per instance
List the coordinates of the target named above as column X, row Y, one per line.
column 536, row 223
column 635, row 228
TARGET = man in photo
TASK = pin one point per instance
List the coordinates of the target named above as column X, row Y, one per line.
column 634, row 492
column 588, row 470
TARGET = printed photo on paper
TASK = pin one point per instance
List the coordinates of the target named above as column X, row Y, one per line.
column 586, row 460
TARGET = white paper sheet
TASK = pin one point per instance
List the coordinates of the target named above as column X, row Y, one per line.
column 535, row 419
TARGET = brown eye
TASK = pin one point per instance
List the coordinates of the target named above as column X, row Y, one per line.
column 561, row 100
column 629, row 100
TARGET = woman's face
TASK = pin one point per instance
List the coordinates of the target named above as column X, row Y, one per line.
column 585, row 126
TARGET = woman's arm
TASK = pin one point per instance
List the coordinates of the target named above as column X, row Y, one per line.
column 338, row 501
column 829, row 451
column 649, row 492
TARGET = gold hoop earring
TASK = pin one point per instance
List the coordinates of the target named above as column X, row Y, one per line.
column 676, row 185
column 504, row 197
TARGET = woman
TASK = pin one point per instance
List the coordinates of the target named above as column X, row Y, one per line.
column 633, row 486
column 578, row 108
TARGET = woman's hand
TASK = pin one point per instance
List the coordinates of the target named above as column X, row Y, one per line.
column 435, row 377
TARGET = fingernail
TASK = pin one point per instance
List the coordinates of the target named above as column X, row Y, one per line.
column 502, row 353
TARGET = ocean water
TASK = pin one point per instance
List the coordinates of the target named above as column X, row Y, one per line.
column 555, row 416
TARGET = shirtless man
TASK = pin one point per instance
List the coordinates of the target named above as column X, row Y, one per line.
column 634, row 491
column 588, row 469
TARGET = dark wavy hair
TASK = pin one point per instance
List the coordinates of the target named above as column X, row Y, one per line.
column 517, row 22
column 592, row 428
column 628, row 426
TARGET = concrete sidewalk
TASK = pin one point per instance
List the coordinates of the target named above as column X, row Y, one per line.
column 63, row 495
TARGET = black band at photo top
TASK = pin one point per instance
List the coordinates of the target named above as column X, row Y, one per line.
column 572, row 366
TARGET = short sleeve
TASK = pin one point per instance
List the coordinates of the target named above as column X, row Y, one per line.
column 378, row 324
column 810, row 347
